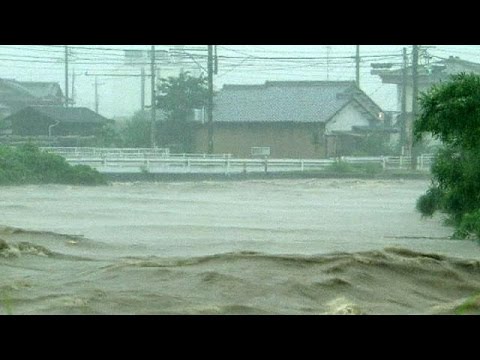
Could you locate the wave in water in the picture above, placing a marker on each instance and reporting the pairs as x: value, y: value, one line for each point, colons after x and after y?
x: 43, y: 277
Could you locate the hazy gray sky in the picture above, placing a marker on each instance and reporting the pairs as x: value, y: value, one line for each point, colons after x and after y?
x: 238, y: 64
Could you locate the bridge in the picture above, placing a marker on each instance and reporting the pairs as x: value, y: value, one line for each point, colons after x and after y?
x: 161, y: 161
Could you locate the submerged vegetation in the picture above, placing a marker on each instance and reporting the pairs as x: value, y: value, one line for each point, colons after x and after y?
x: 471, y: 306
x: 342, y: 167
x: 451, y: 113
x: 26, y: 164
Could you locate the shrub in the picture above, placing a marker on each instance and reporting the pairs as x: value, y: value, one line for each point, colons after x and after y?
x: 341, y: 167
x: 26, y: 164
x: 430, y: 202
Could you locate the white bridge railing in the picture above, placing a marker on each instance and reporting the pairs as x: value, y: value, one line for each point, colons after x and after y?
x: 161, y: 161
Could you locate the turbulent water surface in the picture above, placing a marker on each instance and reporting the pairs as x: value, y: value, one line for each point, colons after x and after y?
x: 254, y: 247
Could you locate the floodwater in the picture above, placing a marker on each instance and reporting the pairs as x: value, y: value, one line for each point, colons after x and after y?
x: 255, y: 247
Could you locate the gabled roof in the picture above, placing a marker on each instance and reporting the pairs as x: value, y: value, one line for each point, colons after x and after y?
x: 65, y: 115
x: 42, y: 89
x: 289, y: 101
x: 14, y: 88
x: 30, y: 90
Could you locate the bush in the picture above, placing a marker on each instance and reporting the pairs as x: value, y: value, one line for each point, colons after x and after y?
x: 429, y: 203
x: 28, y: 165
x: 341, y: 167
x: 469, y: 225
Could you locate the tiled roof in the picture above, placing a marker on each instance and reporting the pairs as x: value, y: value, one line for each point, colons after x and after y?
x: 70, y: 115
x: 288, y: 101
x: 42, y: 89
x: 17, y: 88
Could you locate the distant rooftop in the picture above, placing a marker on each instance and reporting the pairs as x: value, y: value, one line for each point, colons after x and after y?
x: 33, y: 89
x: 42, y: 89
x: 71, y: 114
x: 433, y: 72
x: 288, y: 101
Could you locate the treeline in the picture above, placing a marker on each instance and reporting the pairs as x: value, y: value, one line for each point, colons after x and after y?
x: 26, y: 164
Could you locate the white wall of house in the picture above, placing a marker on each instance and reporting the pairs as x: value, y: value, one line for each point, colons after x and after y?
x: 348, y: 117
x: 409, y: 92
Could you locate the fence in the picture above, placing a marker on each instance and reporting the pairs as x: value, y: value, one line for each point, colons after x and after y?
x: 161, y: 161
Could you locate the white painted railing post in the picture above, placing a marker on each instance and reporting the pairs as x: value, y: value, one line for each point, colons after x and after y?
x: 302, y: 165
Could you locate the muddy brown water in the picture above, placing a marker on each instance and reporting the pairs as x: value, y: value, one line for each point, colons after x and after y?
x: 255, y: 247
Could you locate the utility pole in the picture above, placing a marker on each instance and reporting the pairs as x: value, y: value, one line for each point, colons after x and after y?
x: 357, y: 59
x: 404, y: 137
x: 66, y: 75
x: 414, y: 103
x: 96, y: 94
x: 210, y: 99
x: 154, y: 113
x: 153, y: 102
x: 142, y: 99
x: 73, y: 87
x: 216, y: 61
x: 329, y: 48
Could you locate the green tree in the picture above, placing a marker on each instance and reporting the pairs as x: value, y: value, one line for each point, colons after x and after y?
x: 178, y: 97
x: 108, y: 136
x: 451, y: 112
x: 136, y: 133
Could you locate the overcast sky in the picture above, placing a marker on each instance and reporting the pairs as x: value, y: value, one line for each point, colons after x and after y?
x: 238, y: 64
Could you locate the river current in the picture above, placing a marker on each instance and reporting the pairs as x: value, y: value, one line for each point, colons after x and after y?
x: 310, y: 246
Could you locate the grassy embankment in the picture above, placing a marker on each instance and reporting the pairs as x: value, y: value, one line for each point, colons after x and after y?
x: 26, y: 165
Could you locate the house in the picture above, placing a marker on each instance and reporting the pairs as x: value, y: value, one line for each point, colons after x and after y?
x: 429, y: 74
x: 16, y: 95
x: 55, y: 121
x: 295, y: 119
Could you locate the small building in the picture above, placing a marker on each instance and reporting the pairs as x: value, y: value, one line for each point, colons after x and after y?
x: 17, y: 95
x: 429, y: 74
x: 294, y: 119
x: 55, y: 121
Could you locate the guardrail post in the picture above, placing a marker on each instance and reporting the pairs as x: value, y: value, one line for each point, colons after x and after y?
x: 266, y: 165
x: 384, y: 163
x: 227, y: 169
x: 401, y: 162
x: 302, y: 164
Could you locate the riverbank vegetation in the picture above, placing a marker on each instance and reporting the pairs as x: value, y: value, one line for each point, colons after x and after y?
x: 451, y: 112
x: 27, y: 164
